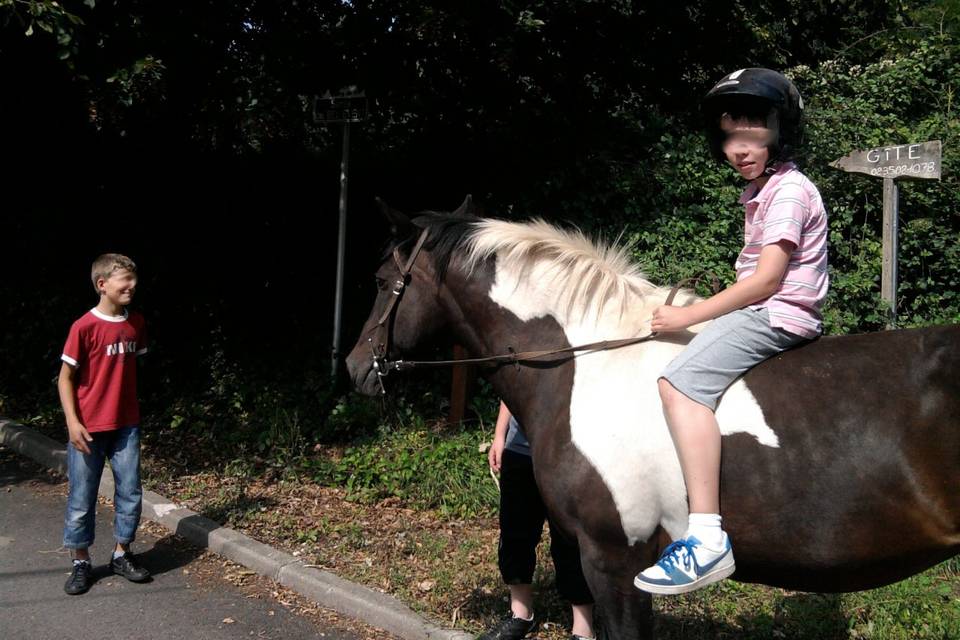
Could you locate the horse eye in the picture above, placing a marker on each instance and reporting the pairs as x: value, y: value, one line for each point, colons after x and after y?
x: 381, y: 283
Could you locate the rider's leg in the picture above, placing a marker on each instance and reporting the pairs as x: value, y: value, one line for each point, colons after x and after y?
x: 696, y: 437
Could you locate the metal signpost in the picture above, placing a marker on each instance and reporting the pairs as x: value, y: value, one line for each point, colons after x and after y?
x: 918, y: 161
x: 341, y: 109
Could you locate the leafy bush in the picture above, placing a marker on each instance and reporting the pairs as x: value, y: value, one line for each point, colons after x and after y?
x: 430, y: 470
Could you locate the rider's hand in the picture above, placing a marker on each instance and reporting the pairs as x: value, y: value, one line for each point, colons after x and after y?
x: 79, y: 436
x: 495, y: 454
x: 670, y: 318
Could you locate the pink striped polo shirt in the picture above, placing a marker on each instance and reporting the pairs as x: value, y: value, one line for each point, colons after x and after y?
x: 789, y: 207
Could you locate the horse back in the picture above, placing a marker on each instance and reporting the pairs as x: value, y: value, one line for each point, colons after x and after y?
x: 864, y: 487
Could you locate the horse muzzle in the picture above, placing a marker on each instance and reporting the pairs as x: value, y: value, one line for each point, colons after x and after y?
x: 368, y: 370
x: 363, y: 372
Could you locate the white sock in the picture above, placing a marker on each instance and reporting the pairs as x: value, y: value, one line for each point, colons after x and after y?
x: 118, y: 554
x: 75, y: 561
x: 707, y: 527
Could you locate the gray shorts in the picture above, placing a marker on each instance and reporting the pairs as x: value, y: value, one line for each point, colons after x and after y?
x: 727, y: 348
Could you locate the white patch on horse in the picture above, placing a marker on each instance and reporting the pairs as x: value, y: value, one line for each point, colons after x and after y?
x: 616, y: 420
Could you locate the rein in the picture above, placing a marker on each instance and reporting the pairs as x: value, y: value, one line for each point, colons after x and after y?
x: 383, y: 366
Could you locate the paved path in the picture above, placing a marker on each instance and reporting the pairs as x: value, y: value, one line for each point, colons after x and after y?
x: 175, y: 604
x: 321, y: 588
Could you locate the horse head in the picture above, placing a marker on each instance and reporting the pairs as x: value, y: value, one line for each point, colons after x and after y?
x: 408, y: 312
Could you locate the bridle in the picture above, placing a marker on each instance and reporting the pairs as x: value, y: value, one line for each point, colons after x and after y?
x: 382, y: 366
x: 379, y: 352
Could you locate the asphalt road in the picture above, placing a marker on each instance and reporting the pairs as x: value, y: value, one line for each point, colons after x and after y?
x: 176, y: 604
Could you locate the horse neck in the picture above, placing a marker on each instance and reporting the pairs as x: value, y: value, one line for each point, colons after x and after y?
x: 489, y: 313
x: 485, y: 328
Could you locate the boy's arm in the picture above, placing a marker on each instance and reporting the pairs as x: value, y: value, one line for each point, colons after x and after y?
x: 79, y: 436
x: 760, y: 284
x: 495, y: 454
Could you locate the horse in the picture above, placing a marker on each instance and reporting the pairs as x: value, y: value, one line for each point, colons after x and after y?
x: 840, y: 458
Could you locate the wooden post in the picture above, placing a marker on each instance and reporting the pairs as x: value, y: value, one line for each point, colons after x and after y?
x: 462, y: 380
x: 888, y: 275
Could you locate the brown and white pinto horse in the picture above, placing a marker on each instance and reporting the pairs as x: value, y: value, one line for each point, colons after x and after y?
x: 841, y: 459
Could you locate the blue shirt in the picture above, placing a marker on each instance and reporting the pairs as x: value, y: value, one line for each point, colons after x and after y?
x: 516, y: 440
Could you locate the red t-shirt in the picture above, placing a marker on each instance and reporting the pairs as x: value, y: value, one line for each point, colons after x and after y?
x: 104, y: 349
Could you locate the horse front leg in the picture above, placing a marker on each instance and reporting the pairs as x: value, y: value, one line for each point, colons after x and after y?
x: 624, y: 612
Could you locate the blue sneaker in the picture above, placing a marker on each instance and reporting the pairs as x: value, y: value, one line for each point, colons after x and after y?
x: 686, y: 565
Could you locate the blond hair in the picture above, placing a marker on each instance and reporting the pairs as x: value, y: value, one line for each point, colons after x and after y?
x: 108, y: 264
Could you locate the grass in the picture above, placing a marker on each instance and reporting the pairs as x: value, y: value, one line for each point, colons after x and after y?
x: 924, y: 606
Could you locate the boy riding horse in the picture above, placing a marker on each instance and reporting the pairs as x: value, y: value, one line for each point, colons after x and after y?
x: 754, y: 122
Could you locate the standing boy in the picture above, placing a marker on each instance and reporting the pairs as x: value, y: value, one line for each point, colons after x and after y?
x: 522, y: 513
x: 98, y: 391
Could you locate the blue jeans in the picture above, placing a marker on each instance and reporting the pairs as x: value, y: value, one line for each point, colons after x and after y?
x: 122, y: 447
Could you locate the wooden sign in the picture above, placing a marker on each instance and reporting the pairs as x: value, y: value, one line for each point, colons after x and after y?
x: 920, y: 161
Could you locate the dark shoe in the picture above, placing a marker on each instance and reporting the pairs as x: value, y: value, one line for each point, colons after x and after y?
x: 510, y: 628
x: 127, y: 566
x: 79, y: 581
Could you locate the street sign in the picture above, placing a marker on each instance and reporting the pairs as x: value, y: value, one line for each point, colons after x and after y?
x: 340, y: 109
x: 916, y: 161
x: 920, y: 161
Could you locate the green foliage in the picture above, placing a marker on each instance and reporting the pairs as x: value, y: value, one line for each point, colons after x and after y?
x: 245, y: 72
x: 47, y: 17
x: 137, y: 81
x: 443, y: 471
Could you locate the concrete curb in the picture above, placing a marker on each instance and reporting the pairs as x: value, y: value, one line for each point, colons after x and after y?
x: 324, y: 588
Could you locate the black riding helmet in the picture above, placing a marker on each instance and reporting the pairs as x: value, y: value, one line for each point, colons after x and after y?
x: 756, y: 92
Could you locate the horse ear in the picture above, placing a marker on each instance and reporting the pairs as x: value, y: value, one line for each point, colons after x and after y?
x: 398, y: 221
x: 467, y: 208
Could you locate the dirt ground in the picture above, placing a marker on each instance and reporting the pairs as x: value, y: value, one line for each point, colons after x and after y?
x: 444, y: 569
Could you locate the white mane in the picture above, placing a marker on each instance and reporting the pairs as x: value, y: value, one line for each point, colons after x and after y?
x: 579, y: 280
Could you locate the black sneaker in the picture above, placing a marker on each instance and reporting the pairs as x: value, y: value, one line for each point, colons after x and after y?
x: 127, y: 566
x: 79, y: 581
x: 510, y: 628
